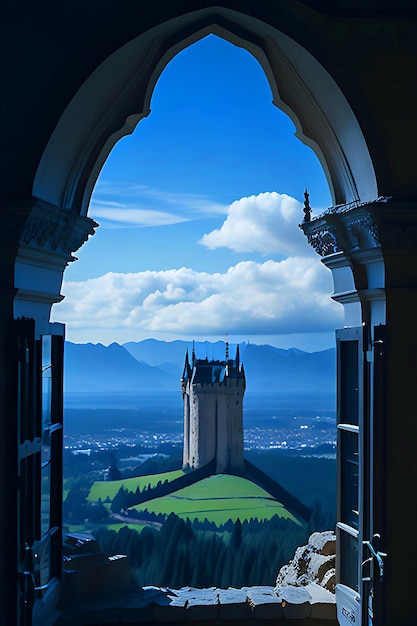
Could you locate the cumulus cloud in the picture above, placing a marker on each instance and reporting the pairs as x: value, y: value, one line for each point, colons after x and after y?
x: 266, y: 223
x: 283, y: 297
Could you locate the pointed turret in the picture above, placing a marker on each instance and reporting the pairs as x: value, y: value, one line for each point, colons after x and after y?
x: 187, y: 369
x: 187, y: 363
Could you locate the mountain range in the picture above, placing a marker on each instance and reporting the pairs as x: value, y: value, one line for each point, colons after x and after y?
x: 152, y: 365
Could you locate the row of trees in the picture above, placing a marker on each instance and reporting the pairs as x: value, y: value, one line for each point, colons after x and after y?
x: 77, y: 508
x: 124, y: 499
x: 179, y: 554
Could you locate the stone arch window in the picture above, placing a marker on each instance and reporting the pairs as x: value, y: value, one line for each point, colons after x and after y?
x: 320, y: 55
x: 116, y: 96
x: 105, y: 108
x: 276, y: 90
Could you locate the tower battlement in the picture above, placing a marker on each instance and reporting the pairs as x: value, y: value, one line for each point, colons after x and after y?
x: 213, y: 393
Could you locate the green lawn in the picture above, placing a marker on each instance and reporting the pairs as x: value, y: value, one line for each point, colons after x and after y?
x: 219, y: 498
x: 108, y: 488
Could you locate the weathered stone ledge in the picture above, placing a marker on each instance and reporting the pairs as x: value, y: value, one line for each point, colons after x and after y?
x: 310, y: 604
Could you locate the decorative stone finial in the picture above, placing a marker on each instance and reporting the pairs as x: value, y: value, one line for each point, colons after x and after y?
x: 307, y: 208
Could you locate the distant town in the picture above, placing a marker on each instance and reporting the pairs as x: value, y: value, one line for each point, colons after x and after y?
x: 303, y: 436
x: 274, y: 425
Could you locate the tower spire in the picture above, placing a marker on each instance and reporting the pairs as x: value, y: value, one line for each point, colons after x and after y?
x: 187, y: 369
x: 227, y: 348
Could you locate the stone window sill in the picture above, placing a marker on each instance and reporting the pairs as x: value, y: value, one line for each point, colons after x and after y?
x: 250, y: 605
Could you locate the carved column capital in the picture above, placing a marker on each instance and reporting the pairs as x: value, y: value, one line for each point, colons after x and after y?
x: 48, y: 237
x: 385, y: 223
x: 51, y: 228
x: 365, y: 245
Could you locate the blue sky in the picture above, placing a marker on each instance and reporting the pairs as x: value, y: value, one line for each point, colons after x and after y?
x: 199, y: 211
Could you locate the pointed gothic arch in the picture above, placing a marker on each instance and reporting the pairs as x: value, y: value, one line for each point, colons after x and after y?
x: 343, y: 72
x: 117, y: 95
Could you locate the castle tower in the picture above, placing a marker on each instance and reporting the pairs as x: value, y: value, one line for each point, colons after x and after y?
x: 213, y: 412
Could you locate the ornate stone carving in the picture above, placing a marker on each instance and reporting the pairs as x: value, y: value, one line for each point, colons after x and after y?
x: 323, y: 241
x: 327, y: 234
x: 342, y: 232
x: 53, y: 228
x: 383, y: 223
x: 362, y: 231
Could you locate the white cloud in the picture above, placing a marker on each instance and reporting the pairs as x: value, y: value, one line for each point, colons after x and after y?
x: 136, y: 217
x: 139, y: 205
x: 266, y: 223
x: 289, y: 296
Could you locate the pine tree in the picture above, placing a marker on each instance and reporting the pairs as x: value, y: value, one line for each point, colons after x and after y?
x: 119, y: 500
x: 236, y: 538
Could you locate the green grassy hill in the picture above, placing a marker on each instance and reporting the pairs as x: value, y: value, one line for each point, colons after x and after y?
x: 108, y: 488
x: 218, y: 499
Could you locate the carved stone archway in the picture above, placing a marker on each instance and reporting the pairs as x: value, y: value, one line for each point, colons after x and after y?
x: 117, y: 95
x: 344, y: 73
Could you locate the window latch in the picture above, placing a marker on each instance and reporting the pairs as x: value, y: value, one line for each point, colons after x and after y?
x: 376, y: 554
x: 379, y: 346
